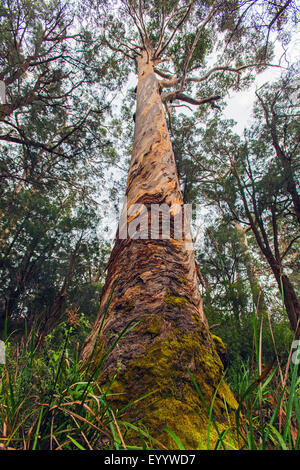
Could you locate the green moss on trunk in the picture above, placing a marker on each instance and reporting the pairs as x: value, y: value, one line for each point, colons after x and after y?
x: 163, y: 371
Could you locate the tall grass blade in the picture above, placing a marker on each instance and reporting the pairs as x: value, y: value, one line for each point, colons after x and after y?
x: 175, y: 438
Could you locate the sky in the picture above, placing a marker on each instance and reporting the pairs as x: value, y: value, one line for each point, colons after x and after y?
x: 240, y: 104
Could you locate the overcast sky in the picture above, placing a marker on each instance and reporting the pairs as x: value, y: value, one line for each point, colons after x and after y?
x: 240, y: 105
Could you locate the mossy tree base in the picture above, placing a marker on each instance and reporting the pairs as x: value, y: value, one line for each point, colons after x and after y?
x: 162, y: 371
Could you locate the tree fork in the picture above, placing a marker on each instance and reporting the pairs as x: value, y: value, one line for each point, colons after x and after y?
x: 154, y: 281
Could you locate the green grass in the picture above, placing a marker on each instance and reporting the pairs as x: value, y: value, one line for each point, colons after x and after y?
x: 48, y: 401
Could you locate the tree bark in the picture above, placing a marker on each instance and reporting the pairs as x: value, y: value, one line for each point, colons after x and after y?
x: 291, y: 302
x: 256, y: 290
x: 154, y: 281
x: 290, y: 299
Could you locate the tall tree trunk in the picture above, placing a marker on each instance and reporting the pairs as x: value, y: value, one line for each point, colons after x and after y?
x: 154, y: 281
x: 291, y: 303
x: 290, y: 299
x: 256, y: 290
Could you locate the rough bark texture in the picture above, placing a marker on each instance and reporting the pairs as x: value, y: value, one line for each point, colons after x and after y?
x: 155, y: 282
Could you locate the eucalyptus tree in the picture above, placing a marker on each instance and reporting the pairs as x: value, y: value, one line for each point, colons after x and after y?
x: 274, y: 139
x: 56, y: 83
x: 235, y: 278
x: 53, y: 148
x: 278, y: 125
x: 258, y: 186
x: 266, y: 209
x: 151, y: 289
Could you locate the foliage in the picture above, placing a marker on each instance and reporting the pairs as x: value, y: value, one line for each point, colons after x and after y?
x: 53, y: 154
x: 63, y: 63
x: 47, y: 401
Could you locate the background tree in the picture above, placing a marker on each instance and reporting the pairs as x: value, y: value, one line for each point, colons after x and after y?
x: 55, y: 145
x: 154, y: 281
x: 257, y: 188
x: 233, y: 279
x: 277, y: 117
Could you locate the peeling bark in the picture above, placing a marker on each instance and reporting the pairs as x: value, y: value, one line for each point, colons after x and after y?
x: 154, y: 281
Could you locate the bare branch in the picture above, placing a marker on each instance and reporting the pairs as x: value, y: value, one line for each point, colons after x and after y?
x: 117, y: 49
x: 185, y: 16
x: 227, y: 68
x: 9, y: 138
x: 275, y: 18
x: 166, y: 75
x: 134, y: 18
x: 289, y: 247
x: 165, y: 24
x: 171, y: 81
x: 141, y: 18
x: 196, y: 39
x: 177, y: 95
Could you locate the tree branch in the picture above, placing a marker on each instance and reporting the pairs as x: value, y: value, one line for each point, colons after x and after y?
x: 177, y: 95
x: 164, y: 47
x: 16, y: 140
x: 117, y: 49
x: 196, y: 39
x: 289, y: 247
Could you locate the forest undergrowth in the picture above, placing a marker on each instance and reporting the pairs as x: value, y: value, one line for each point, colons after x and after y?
x: 48, y: 401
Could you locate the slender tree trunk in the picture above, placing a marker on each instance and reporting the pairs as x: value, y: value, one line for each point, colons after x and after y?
x: 52, y: 318
x: 256, y: 290
x: 287, y: 169
x: 154, y: 281
x: 290, y: 299
x: 291, y: 303
x: 292, y: 189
